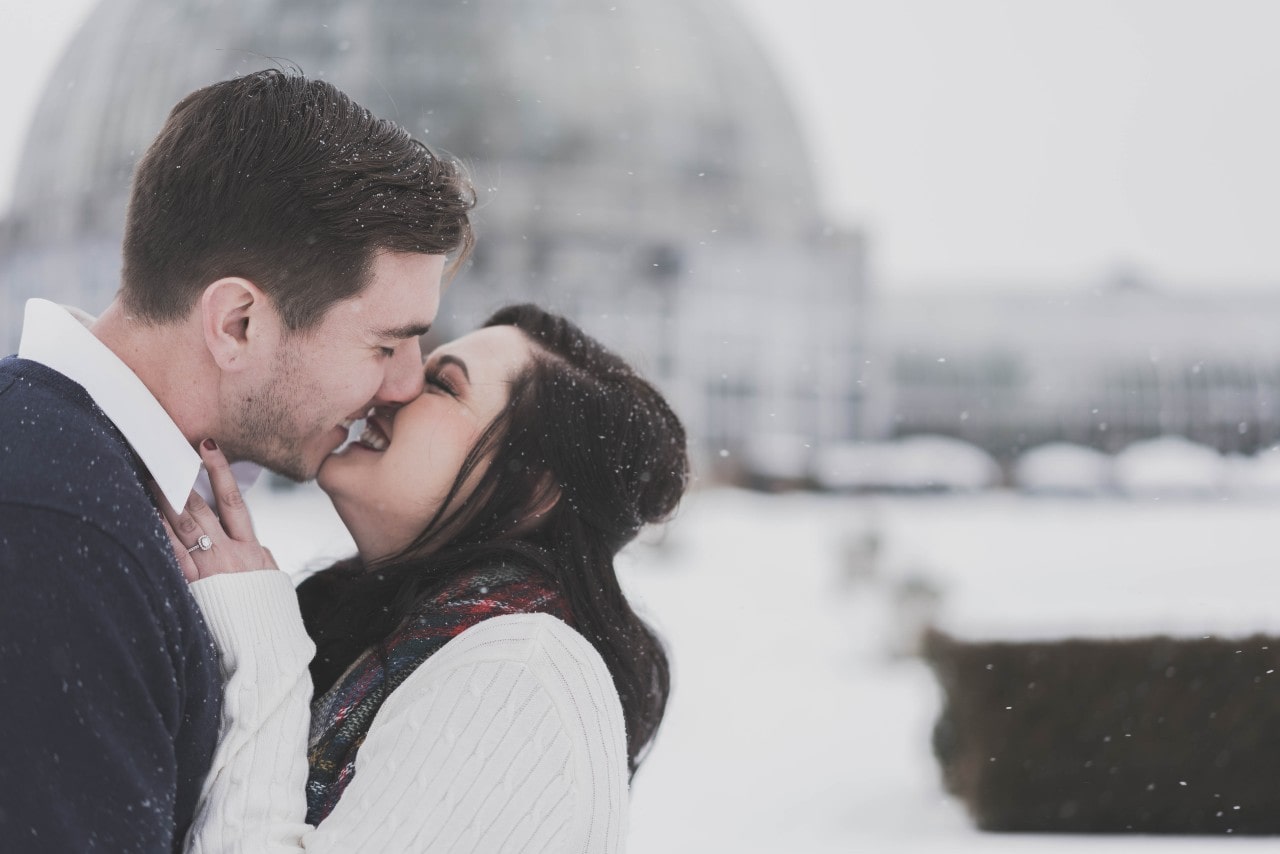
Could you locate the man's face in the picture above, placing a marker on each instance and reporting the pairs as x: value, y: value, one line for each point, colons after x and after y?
x: 364, y: 353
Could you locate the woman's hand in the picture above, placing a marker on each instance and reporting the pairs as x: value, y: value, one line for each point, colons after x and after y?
x: 206, y: 545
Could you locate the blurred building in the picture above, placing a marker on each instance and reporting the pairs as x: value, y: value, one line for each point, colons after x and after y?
x: 639, y: 167
x: 1101, y: 367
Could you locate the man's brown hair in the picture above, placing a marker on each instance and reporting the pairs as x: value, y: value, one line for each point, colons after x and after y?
x: 287, y: 182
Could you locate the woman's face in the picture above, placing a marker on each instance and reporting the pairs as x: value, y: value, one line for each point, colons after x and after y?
x: 390, y: 483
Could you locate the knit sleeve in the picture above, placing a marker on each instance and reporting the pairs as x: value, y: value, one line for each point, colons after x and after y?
x: 509, y: 739
x: 253, y: 799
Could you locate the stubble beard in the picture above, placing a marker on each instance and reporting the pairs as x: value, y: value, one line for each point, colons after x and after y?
x: 269, y: 431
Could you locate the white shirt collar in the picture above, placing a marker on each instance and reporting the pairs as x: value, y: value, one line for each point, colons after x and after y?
x: 55, y: 339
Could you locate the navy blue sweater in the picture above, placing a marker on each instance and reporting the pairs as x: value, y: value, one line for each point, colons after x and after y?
x: 109, y: 684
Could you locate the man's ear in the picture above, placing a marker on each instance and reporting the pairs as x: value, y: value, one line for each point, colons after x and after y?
x: 234, y: 315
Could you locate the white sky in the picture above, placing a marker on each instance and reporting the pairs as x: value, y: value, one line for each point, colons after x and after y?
x: 1050, y: 141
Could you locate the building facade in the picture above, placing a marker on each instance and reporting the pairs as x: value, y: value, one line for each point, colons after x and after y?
x: 639, y: 168
x: 1096, y: 366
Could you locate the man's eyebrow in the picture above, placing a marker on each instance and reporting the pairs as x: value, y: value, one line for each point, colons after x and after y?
x: 408, y: 330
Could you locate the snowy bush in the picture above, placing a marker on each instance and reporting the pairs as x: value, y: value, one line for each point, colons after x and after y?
x: 912, y: 464
x: 1256, y: 476
x: 1061, y: 468
x: 1169, y: 466
x: 778, y: 456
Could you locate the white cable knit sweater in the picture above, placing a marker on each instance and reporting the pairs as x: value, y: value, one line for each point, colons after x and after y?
x: 509, y: 739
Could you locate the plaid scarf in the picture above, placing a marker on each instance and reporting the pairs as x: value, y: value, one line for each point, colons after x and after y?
x: 340, y: 719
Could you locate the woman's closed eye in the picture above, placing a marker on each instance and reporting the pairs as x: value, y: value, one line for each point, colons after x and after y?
x: 447, y: 373
x: 438, y: 380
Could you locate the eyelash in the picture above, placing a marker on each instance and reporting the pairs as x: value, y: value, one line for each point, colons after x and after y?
x: 439, y: 382
x: 388, y: 352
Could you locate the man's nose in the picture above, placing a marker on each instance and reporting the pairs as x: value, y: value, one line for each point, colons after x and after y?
x: 403, y: 381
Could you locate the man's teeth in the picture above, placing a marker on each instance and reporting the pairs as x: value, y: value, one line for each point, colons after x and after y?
x: 373, y: 438
x: 346, y: 424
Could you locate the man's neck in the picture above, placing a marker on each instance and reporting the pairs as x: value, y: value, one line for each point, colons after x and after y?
x: 164, y: 359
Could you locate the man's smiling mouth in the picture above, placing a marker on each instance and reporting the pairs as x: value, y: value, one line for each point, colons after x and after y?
x: 373, y: 435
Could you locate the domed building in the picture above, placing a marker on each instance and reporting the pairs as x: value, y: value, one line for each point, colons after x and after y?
x: 639, y: 167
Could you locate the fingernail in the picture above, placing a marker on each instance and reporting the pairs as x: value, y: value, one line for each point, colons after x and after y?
x: 210, y: 445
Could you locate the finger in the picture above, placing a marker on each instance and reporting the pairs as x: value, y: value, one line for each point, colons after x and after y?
x: 185, y: 562
x: 204, y: 519
x: 231, y: 507
x: 180, y: 522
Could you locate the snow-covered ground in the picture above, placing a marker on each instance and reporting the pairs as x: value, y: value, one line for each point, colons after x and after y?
x: 797, y: 723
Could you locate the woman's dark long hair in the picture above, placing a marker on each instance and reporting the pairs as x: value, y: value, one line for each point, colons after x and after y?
x: 582, y: 434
